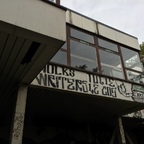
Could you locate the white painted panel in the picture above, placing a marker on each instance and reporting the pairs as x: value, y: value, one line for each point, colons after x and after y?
x: 35, y: 15
x: 81, y: 22
x: 118, y: 36
x: 89, y: 25
x: 75, y: 19
x: 107, y: 32
x: 68, y: 16
x: 57, y: 77
x: 127, y: 40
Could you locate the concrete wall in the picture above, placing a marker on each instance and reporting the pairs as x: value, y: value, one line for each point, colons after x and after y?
x: 36, y: 16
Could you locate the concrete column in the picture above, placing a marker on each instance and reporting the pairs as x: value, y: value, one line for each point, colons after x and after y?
x: 121, y: 131
x: 18, y: 122
x: 113, y: 136
x: 89, y: 134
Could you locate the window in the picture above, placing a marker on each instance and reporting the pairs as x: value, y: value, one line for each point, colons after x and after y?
x: 61, y: 56
x: 81, y: 36
x: 111, y: 64
x: 86, y: 51
x: 132, y: 65
x: 82, y: 51
x: 108, y: 45
x: 83, y: 56
x: 110, y: 60
x: 131, y: 59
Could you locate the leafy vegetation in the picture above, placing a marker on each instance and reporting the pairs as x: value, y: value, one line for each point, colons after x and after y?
x: 142, y: 53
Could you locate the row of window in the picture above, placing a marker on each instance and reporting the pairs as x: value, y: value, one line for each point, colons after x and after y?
x: 89, y: 52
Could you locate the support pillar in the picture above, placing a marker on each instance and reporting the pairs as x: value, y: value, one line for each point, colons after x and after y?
x: 18, y: 122
x: 121, y: 131
x: 89, y: 134
x: 113, y: 136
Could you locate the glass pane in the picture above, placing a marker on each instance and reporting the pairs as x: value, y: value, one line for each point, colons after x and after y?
x: 64, y: 46
x: 111, y: 64
x: 83, y: 64
x: 135, y: 77
x: 131, y: 59
x: 108, y: 45
x: 83, y: 56
x: 82, y: 36
x: 60, y: 58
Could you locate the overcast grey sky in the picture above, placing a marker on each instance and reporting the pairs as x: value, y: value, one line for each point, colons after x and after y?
x: 124, y: 15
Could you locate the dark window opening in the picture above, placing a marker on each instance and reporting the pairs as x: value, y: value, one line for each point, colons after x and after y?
x: 30, y: 53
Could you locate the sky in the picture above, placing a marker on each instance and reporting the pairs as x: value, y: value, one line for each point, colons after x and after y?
x: 124, y: 15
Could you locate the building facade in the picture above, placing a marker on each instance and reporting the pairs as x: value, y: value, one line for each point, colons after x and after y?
x: 66, y: 78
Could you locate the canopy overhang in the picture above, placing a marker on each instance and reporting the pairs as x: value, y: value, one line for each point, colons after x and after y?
x: 58, y: 107
x: 29, y: 37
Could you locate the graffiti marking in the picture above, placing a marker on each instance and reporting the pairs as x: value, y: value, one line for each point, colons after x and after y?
x: 18, y: 124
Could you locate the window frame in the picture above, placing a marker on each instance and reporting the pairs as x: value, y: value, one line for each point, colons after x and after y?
x: 127, y: 68
x: 96, y: 46
x: 82, y: 42
x: 117, y: 54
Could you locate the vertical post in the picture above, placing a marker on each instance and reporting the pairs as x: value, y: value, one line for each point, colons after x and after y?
x: 18, y: 122
x: 121, y: 131
x: 58, y: 2
x: 113, y: 136
x: 90, y: 135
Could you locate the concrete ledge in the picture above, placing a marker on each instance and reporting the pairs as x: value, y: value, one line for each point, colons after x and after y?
x: 36, y: 16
